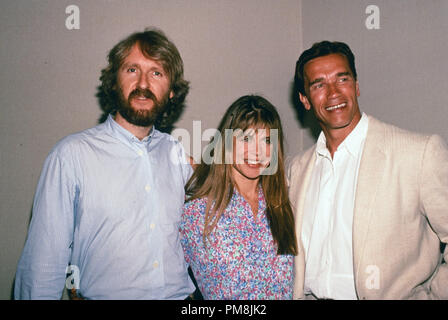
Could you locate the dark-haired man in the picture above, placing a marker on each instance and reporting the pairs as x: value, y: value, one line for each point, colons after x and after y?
x: 370, y: 199
x: 109, y: 198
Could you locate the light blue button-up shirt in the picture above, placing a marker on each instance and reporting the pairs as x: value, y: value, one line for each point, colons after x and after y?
x: 108, y: 205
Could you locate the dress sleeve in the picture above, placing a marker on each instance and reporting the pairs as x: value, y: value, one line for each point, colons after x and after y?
x: 191, y: 230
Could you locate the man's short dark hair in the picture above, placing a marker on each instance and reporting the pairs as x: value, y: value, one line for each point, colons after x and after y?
x: 154, y: 45
x: 320, y: 49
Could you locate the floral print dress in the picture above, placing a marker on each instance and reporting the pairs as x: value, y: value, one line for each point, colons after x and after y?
x: 239, y: 261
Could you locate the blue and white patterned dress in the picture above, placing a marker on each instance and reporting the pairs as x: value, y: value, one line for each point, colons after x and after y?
x: 240, y: 258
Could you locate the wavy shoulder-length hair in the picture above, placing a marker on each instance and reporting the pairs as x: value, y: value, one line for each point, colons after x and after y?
x: 213, y: 180
x: 154, y: 45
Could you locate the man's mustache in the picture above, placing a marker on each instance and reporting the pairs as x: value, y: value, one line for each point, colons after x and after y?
x: 138, y: 92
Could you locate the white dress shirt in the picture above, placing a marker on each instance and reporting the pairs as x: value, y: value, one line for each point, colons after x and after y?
x: 328, y: 217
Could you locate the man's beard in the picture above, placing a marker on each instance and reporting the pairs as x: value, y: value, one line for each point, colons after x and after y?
x: 141, y: 117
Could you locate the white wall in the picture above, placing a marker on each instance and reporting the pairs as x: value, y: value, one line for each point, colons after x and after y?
x: 49, y: 76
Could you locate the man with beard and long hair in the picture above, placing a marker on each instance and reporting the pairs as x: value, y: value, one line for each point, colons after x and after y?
x: 108, y: 202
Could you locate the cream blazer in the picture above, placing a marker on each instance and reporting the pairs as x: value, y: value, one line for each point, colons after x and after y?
x: 400, y: 217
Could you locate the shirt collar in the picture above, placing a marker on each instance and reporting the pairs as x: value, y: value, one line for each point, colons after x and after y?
x: 124, y: 135
x: 353, y: 142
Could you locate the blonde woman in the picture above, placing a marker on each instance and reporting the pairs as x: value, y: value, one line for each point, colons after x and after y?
x: 237, y: 226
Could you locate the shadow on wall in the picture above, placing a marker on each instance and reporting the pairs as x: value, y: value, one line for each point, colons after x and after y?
x: 11, y: 296
x: 306, y: 118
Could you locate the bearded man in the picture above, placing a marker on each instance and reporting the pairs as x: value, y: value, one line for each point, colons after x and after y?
x: 108, y: 202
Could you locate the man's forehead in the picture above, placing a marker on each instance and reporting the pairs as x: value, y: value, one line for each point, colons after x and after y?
x: 136, y: 55
x: 329, y: 65
x: 335, y: 62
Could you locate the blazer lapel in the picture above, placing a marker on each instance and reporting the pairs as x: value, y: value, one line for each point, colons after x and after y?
x: 299, y: 181
x: 370, y: 174
x: 297, y: 193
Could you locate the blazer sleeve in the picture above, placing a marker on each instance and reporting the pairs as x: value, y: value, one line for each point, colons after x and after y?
x: 434, y: 201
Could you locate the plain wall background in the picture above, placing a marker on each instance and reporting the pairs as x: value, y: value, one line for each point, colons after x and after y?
x: 49, y: 74
x: 401, y: 67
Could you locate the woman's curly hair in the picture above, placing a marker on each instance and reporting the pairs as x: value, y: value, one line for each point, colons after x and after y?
x: 154, y: 44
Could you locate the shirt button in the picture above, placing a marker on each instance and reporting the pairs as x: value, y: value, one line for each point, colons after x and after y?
x: 147, y: 188
x: 140, y: 152
x: 152, y: 226
x: 155, y: 264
